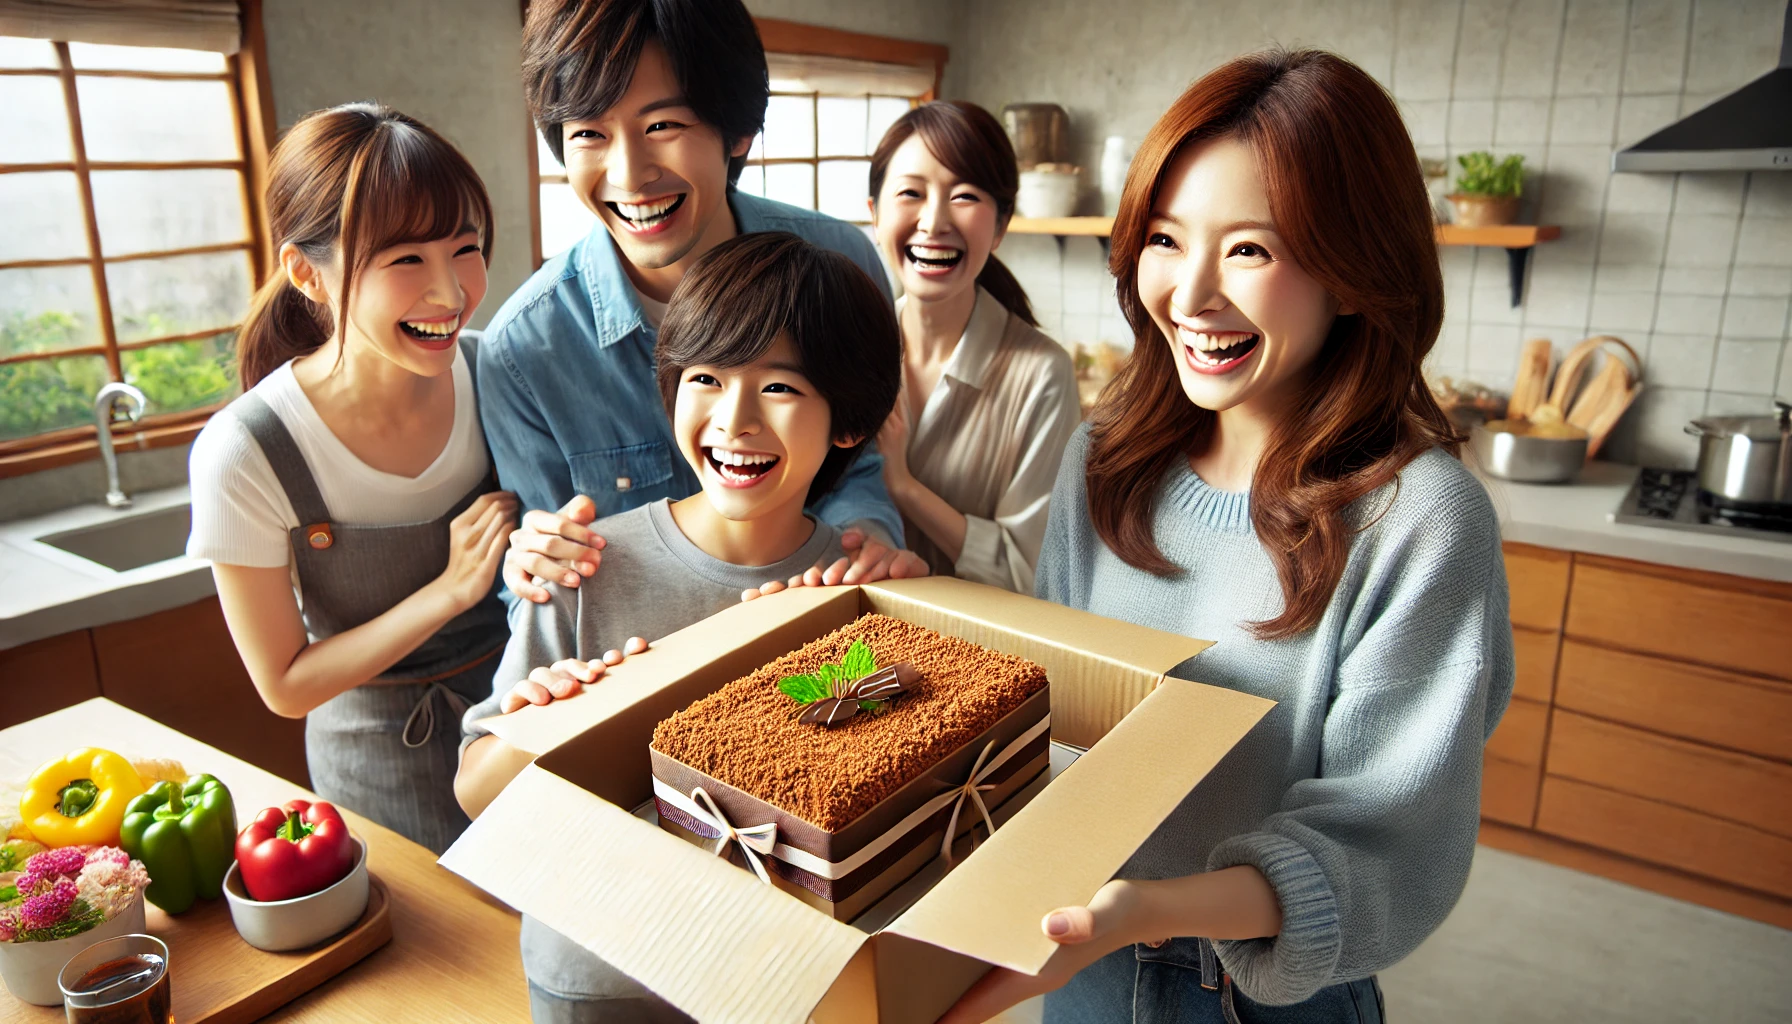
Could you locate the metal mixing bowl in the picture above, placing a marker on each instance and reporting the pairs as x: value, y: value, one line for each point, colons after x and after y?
x: 1525, y: 457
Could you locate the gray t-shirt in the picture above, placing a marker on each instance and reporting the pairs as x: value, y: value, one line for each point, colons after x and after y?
x: 653, y: 581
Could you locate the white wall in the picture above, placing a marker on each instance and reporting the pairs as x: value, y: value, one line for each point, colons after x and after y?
x: 452, y: 64
x: 1695, y: 270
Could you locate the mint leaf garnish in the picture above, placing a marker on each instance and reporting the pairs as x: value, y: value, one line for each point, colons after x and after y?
x: 859, y: 661
x: 804, y: 689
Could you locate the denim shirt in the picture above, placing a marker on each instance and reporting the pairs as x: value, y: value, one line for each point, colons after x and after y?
x: 568, y: 395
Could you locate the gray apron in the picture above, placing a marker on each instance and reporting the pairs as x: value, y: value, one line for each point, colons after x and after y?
x: 388, y: 749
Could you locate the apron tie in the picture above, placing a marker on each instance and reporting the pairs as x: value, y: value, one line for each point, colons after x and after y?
x: 421, y: 724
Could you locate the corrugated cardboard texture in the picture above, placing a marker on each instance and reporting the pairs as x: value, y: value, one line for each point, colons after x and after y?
x: 538, y: 730
x: 1100, y: 668
x: 1073, y: 837
x: 709, y: 937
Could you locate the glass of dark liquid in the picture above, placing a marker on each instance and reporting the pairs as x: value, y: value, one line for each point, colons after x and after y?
x: 118, y: 981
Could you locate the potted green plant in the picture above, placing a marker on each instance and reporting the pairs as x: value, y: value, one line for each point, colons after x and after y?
x: 1487, y: 189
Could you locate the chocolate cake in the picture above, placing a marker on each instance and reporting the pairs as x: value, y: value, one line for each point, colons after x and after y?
x: 862, y: 804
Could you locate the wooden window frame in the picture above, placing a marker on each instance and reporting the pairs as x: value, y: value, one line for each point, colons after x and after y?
x: 246, y: 75
x: 777, y: 36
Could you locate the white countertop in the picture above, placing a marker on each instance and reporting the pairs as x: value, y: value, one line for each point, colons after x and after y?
x: 45, y: 591
x: 1577, y: 516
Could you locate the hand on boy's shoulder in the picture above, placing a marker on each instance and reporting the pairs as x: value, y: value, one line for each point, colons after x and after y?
x: 565, y: 678
x: 867, y: 560
x: 553, y: 546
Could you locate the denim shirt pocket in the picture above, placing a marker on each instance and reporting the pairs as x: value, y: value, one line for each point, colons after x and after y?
x: 619, y: 479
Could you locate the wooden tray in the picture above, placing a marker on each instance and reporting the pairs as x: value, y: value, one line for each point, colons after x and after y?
x: 220, y: 979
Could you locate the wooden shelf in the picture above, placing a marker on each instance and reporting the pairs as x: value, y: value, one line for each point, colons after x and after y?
x: 1506, y: 236
x: 1094, y: 227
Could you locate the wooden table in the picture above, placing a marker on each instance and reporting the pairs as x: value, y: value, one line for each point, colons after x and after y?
x: 453, y: 954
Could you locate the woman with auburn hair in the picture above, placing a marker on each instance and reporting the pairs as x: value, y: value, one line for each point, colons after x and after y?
x: 1270, y: 471
x: 988, y: 401
x: 346, y: 499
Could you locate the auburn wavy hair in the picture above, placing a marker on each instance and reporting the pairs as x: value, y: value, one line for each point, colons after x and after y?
x: 1350, y: 204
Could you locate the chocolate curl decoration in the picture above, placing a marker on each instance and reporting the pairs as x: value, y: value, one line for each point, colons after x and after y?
x: 975, y: 792
x: 760, y: 839
x: 883, y: 684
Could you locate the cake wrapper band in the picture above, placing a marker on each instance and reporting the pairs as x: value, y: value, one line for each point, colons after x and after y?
x: 759, y: 839
x: 764, y: 837
x: 975, y: 792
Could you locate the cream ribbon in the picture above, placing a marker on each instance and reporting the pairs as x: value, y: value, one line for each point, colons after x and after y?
x: 840, y: 869
x: 759, y: 839
x: 975, y: 792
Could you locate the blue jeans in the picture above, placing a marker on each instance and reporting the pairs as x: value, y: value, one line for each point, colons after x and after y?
x: 1173, y: 985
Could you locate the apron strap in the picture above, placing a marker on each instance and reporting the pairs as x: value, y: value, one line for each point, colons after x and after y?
x: 421, y: 724
x: 284, y: 457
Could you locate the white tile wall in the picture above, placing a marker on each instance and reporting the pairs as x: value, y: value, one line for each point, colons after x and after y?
x: 1694, y: 270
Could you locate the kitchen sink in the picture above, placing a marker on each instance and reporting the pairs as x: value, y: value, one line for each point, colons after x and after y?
x: 130, y: 542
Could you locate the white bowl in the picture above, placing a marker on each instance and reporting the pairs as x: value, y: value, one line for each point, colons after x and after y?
x: 1046, y: 194
x: 281, y: 925
x: 30, y: 969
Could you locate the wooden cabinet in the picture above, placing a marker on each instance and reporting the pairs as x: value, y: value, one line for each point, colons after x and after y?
x: 178, y: 667
x: 1538, y: 581
x: 1650, y: 732
x: 45, y: 675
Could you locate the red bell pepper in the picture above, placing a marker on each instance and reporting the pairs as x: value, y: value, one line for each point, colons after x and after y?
x: 293, y: 851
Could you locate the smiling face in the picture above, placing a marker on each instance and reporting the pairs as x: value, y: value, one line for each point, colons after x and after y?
x: 409, y: 303
x: 933, y: 227
x: 756, y: 434
x: 1243, y: 320
x: 652, y: 171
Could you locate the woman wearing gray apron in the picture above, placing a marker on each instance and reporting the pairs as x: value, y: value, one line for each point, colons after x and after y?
x: 346, y: 500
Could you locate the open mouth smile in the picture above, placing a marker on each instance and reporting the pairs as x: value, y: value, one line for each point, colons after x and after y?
x: 1217, y: 353
x: 739, y: 469
x: 932, y: 259
x: 649, y: 217
x: 436, y: 333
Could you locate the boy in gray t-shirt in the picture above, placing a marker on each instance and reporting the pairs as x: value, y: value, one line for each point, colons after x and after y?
x: 777, y: 360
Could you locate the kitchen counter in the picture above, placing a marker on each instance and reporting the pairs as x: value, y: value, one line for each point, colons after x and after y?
x: 453, y: 954
x: 1577, y: 516
x: 47, y: 591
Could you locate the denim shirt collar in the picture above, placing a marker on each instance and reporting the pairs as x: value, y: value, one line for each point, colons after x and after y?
x: 615, y: 305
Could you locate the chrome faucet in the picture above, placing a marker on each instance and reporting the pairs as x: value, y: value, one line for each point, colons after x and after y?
x: 104, y: 409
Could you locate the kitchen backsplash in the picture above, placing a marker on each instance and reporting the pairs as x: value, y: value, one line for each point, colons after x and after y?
x: 1694, y: 270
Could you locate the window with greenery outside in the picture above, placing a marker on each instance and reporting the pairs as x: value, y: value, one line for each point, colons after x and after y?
x: 140, y: 149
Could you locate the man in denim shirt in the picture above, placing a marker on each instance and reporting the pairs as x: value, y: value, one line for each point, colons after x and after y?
x: 652, y: 117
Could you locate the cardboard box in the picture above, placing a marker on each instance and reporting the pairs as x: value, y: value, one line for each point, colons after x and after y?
x: 721, y: 945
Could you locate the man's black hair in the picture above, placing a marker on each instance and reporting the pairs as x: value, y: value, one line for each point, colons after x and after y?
x: 579, y: 55
x: 733, y: 304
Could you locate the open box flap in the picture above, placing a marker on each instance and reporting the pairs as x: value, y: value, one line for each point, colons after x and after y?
x: 539, y: 729
x: 1065, y: 845
x: 1100, y: 668
x: 708, y: 937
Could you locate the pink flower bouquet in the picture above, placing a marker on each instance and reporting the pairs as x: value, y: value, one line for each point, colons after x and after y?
x: 67, y: 891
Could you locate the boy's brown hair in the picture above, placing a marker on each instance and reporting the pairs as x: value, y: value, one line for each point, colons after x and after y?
x: 735, y: 301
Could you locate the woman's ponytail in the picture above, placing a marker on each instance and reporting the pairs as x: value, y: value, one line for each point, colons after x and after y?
x: 282, y: 324
x: 1000, y: 282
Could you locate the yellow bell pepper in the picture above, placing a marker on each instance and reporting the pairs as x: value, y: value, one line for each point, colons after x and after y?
x: 80, y: 799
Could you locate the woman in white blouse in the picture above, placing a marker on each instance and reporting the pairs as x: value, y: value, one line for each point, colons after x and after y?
x: 988, y: 402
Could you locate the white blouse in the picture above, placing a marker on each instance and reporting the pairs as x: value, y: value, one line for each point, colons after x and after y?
x: 989, y: 442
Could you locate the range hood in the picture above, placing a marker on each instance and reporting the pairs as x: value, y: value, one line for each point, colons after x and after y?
x: 1748, y: 130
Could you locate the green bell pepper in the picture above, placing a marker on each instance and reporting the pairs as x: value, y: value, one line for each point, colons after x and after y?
x: 186, y: 836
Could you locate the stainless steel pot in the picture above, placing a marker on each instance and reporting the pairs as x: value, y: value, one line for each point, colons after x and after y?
x: 1510, y: 452
x: 1746, y: 459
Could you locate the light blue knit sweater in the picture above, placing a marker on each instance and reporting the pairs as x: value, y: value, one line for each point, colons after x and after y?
x: 1358, y: 796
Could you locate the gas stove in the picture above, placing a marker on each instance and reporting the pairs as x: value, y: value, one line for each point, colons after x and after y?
x: 1671, y: 498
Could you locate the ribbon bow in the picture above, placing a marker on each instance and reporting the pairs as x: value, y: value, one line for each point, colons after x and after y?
x: 760, y: 839
x: 974, y: 792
